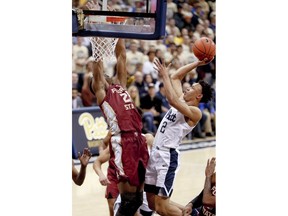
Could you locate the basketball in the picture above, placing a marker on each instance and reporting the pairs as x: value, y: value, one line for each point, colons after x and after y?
x: 204, y: 48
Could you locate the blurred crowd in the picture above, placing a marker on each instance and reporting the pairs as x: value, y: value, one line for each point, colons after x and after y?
x: 187, y: 21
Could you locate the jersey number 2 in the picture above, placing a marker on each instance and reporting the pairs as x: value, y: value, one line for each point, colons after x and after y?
x: 126, y: 97
x: 162, y: 129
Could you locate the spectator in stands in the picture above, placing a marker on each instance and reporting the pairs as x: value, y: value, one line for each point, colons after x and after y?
x: 75, y: 82
x: 160, y: 45
x: 179, y: 20
x: 145, y: 46
x: 152, y: 110
x: 134, y: 94
x: 184, y: 32
x: 161, y: 95
x: 213, y: 21
x: 148, y: 66
x: 199, y: 31
x: 160, y: 55
x: 181, y: 55
x: 204, y: 6
x: 88, y: 99
x: 171, y: 51
x: 207, y: 30
x: 210, y: 110
x: 80, y: 54
x: 139, y: 83
x: 76, y: 99
x: 138, y: 7
x: 133, y: 57
x: 171, y: 8
x: 196, y: 11
x: 186, y: 43
x: 186, y: 13
x: 204, y: 107
x: 171, y: 27
x: 190, y: 57
x: 147, y: 80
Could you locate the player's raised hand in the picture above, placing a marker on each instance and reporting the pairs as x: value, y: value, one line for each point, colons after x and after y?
x: 204, y: 61
x: 85, y: 157
x: 210, y: 167
x: 161, y: 68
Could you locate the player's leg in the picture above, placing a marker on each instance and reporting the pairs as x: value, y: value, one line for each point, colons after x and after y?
x: 151, y: 179
x: 181, y: 207
x: 167, y: 164
x: 144, y: 208
x: 165, y: 208
x: 112, y: 191
x: 150, y: 199
x: 117, y: 205
x: 131, y: 199
x: 111, y: 205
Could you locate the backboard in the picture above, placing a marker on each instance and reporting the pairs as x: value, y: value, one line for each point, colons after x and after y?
x: 139, y: 19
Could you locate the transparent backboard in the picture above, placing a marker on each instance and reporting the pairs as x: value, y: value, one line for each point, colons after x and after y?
x: 131, y: 19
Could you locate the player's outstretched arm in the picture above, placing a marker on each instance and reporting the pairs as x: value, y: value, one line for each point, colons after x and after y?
x: 99, y: 84
x: 102, y: 158
x: 79, y: 177
x: 192, y: 113
x: 120, y: 51
x: 208, y: 198
x: 179, y: 75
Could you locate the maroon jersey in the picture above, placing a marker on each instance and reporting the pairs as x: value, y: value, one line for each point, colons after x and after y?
x: 128, y: 148
x: 120, y: 111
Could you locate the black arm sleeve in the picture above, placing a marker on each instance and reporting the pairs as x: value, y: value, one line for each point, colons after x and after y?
x: 197, y: 201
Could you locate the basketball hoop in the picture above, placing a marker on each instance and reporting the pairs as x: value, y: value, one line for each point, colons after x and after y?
x: 103, y: 48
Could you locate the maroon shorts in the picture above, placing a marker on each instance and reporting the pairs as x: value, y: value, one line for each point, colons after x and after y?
x: 130, y: 157
x: 112, y: 189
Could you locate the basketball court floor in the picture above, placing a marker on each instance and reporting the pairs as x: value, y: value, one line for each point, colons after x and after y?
x: 89, y: 199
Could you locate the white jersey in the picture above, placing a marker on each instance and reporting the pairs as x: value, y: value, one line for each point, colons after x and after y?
x: 172, y: 129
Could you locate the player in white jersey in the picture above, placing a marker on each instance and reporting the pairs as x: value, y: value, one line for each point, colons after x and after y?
x: 176, y: 124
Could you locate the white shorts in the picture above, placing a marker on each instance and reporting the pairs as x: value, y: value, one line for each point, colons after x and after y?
x: 143, y: 207
x: 162, y: 167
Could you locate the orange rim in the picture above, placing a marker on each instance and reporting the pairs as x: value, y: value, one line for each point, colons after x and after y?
x: 115, y: 19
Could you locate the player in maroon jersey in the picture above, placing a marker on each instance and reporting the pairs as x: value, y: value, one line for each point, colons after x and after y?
x: 128, y: 148
x: 110, y: 181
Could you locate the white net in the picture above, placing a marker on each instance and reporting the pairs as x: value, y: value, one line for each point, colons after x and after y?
x: 103, y: 48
